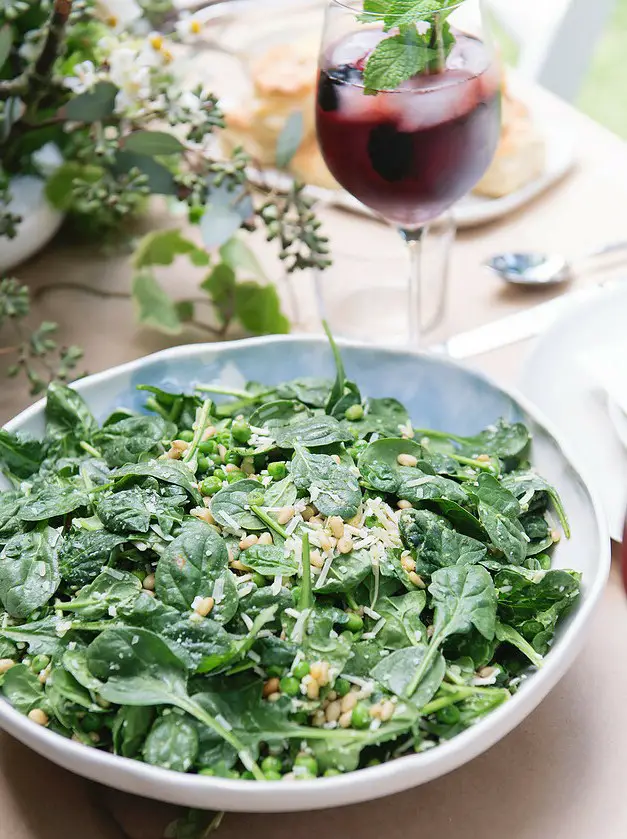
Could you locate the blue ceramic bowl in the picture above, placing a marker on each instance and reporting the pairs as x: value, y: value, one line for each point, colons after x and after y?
x: 439, y: 394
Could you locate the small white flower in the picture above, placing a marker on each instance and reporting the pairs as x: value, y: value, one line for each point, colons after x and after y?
x: 118, y: 14
x: 188, y: 107
x: 84, y: 78
x: 132, y: 79
x: 154, y: 52
x: 188, y: 27
x: 423, y: 27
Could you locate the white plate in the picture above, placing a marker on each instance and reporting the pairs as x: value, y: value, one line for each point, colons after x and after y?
x: 556, y: 379
x: 438, y: 393
x: 241, y: 28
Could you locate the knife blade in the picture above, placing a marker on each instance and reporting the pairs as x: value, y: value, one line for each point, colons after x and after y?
x: 517, y: 327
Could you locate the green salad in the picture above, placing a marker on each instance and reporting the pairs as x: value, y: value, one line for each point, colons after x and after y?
x: 278, y: 582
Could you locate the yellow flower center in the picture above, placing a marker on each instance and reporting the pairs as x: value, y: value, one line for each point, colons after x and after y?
x: 195, y: 27
x: 167, y: 55
x: 156, y: 42
x: 112, y: 21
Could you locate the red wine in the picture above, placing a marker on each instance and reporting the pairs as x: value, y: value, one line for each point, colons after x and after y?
x: 409, y: 153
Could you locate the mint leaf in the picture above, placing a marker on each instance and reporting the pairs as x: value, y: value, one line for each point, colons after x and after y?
x: 395, y: 60
x: 405, y: 12
x: 154, y: 307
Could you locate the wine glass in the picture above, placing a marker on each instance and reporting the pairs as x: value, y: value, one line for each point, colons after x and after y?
x: 407, y: 145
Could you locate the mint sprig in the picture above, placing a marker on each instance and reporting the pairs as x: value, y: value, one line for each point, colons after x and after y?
x: 402, y: 56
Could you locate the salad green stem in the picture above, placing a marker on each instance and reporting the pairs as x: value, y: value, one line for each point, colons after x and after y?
x: 306, y: 596
x: 202, y: 421
x: 266, y: 519
x: 222, y: 390
x: 86, y: 447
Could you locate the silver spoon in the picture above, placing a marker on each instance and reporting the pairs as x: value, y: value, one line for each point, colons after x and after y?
x: 542, y: 269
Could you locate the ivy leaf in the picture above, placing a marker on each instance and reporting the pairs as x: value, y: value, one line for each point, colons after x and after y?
x: 154, y: 307
x: 161, y: 247
x: 59, y: 186
x: 258, y: 308
x: 238, y: 256
x: 152, y: 143
x: 220, y: 286
x: 94, y: 105
x: 395, y: 60
x: 6, y: 39
x: 289, y: 140
x: 185, y: 310
x: 218, y: 224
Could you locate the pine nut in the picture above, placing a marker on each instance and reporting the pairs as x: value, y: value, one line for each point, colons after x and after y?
x: 38, y: 716
x: 237, y: 565
x: 285, y: 514
x: 270, y: 687
x: 346, y: 719
x: 430, y: 631
x: 171, y: 454
x: 325, y: 542
x: 248, y: 541
x: 318, y: 719
x: 348, y: 702
x: 149, y: 592
x: 308, y: 513
x: 486, y: 672
x: 313, y: 689
x: 208, y: 432
x: 336, y: 458
x: 416, y: 580
x: 149, y: 582
x: 333, y: 711
x: 375, y: 711
x: 265, y: 539
x: 336, y: 526
x: 204, y: 514
x: 331, y: 696
x: 483, y: 458
x: 408, y: 563
x: 94, y: 736
x: 319, y: 671
x: 556, y: 535
x: 248, y: 466
x: 180, y: 445
x: 356, y: 520
x: 345, y: 545
x: 203, y: 605
x: 274, y: 697
x: 316, y: 559
x: 231, y: 467
x: 407, y: 460
x: 403, y: 504
x: 5, y: 664
x: 387, y: 710
x: 43, y: 675
x: 222, y: 451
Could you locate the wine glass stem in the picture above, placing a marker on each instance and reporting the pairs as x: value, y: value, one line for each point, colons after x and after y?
x: 413, y: 238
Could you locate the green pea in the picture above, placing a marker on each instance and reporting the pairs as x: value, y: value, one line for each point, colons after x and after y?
x: 203, y: 463
x: 354, y: 622
x: 248, y: 776
x: 277, y: 470
x: 290, y: 686
x: 303, y: 775
x: 194, y: 214
x: 235, y: 476
x: 39, y: 662
x: 274, y: 670
x: 256, y: 498
x: 308, y: 762
x: 216, y: 459
x: 211, y: 485
x: 233, y: 457
x: 448, y: 715
x: 258, y: 579
x: 186, y: 435
x: 301, y: 669
x: 206, y: 770
x: 273, y: 776
x: 354, y: 413
x: 241, y: 431
x: 271, y: 764
x: 341, y: 687
x: 360, y: 718
x: 331, y: 773
x: 220, y: 473
x: 208, y: 447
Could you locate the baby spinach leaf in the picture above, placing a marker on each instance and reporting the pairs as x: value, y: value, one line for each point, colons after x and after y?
x: 20, y: 455
x: 282, y: 493
x: 396, y: 673
x: 29, y: 571
x: 84, y: 552
x: 436, y: 543
x: 190, y: 565
x: 499, y: 513
x: 269, y: 561
x: 238, y: 647
x: 311, y: 391
x: 41, y: 636
x: 416, y: 486
x: 503, y: 440
x: 132, y: 439
x: 347, y: 571
x: 378, y: 462
x: 67, y: 414
x: 75, y: 662
x: 23, y: 689
x: 523, y: 594
x: 403, y: 626
x: 171, y: 743
x: 344, y: 392
x: 276, y: 414
x: 231, y: 505
x: 110, y: 589
x: 463, y: 596
x: 521, y: 484
x: 333, y: 488
x: 125, y: 512
x: 384, y: 416
x: 130, y: 727
x: 179, y: 408
x: 509, y: 635
x: 169, y: 471
x: 52, y: 501
x: 10, y: 521
x: 312, y: 432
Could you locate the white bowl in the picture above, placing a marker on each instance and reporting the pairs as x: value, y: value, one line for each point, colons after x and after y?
x: 438, y: 394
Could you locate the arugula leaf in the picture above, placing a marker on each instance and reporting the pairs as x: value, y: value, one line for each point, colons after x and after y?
x: 29, y: 571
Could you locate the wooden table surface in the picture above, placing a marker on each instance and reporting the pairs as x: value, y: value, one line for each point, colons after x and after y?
x: 560, y: 774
